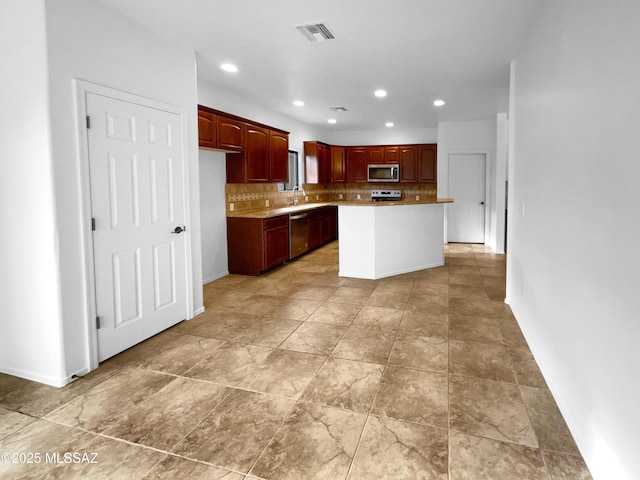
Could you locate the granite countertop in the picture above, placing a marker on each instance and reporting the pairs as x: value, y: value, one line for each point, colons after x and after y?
x: 275, y: 212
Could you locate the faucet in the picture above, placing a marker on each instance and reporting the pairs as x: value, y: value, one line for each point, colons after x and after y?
x: 295, y: 197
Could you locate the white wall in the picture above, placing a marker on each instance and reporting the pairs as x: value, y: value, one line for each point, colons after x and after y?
x: 44, y: 47
x: 30, y: 311
x: 575, y: 166
x: 482, y: 136
x: 390, y: 136
x: 213, y: 215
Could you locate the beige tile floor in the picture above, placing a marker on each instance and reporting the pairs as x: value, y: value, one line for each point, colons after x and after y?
x: 300, y: 374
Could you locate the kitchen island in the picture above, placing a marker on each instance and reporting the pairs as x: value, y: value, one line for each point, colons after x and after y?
x: 377, y: 239
x: 390, y: 238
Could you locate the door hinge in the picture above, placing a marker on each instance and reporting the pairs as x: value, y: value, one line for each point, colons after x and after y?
x: 98, y: 323
x: 88, y: 121
x: 93, y: 224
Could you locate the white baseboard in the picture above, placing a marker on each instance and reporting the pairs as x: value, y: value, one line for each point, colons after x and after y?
x: 36, y: 377
x: 214, y: 277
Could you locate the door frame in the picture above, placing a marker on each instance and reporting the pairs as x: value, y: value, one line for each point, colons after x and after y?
x: 488, y: 204
x: 83, y: 88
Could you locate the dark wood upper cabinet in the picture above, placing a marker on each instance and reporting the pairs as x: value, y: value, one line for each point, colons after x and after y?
x: 376, y: 155
x: 207, y: 129
x: 278, y: 157
x: 317, y: 162
x: 391, y: 154
x: 338, y: 166
x: 230, y: 133
x: 357, y: 161
x: 408, y: 156
x: 324, y: 156
x: 256, y: 153
x: 427, y: 163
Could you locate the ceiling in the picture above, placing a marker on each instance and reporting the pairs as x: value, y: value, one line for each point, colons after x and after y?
x: 416, y: 50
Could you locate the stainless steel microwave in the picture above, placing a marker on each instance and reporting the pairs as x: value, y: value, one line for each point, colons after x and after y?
x: 384, y: 173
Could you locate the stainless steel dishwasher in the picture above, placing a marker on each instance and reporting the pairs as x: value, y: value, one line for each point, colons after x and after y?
x: 298, y: 234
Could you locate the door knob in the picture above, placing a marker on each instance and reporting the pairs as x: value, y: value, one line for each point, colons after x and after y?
x: 481, y: 203
x: 179, y: 229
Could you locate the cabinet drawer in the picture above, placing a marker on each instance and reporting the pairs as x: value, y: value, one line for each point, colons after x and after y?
x: 276, y: 222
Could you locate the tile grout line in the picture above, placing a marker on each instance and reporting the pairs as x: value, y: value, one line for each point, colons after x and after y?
x: 373, y: 401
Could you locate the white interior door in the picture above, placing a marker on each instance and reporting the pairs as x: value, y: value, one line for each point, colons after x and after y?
x: 137, y: 201
x: 466, y: 215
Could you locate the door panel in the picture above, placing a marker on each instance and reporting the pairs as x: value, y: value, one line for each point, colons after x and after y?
x: 137, y: 172
x: 466, y: 215
x: 123, y: 193
x: 161, y: 190
x: 126, y: 281
x: 163, y: 275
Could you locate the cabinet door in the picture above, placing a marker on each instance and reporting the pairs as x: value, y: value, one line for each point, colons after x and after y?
x: 236, y: 173
x: 324, y: 167
x: 276, y: 246
x: 408, y: 164
x: 333, y: 223
x: 278, y: 156
x: 230, y: 133
x: 337, y: 165
x: 376, y: 155
x: 315, y: 230
x: 207, y: 129
x: 391, y: 155
x: 311, y: 162
x: 357, y: 161
x: 427, y: 163
x: 256, y: 153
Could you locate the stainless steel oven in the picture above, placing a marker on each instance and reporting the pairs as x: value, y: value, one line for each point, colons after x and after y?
x: 384, y: 173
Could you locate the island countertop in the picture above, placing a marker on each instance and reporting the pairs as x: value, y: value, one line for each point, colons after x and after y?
x: 275, y: 212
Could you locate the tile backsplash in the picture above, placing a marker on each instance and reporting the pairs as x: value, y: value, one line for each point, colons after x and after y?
x: 244, y: 197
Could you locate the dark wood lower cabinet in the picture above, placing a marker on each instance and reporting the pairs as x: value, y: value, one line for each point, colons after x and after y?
x: 256, y: 245
x: 323, y: 226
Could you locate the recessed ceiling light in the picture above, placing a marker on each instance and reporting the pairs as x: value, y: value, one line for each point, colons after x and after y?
x: 332, y: 120
x: 438, y: 103
x: 298, y: 103
x: 388, y: 124
x: 229, y: 67
x: 380, y: 93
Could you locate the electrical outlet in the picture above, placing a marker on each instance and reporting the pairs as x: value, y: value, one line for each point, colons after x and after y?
x: 522, y: 209
x: 266, y: 203
x: 358, y: 197
x: 317, y: 197
x: 306, y: 198
x: 232, y: 207
x: 340, y: 196
x: 417, y: 197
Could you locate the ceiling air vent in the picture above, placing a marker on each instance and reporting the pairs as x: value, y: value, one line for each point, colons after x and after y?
x: 338, y: 109
x: 315, y: 32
